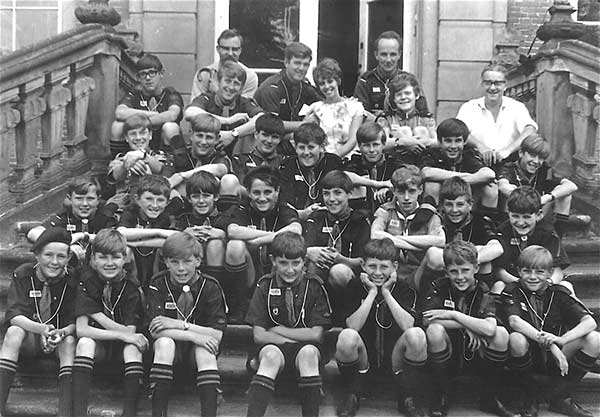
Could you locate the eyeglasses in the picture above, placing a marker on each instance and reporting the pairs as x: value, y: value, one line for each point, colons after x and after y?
x: 230, y: 48
x: 147, y: 74
x: 488, y: 83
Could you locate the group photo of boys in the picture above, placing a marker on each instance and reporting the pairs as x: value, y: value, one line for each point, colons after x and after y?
x: 360, y: 231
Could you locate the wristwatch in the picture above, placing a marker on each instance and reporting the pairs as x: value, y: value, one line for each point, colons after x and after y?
x: 186, y: 325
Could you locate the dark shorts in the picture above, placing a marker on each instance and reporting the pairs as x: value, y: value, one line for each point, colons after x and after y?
x: 290, y: 351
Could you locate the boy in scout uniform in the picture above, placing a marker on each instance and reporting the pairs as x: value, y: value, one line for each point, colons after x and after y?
x: 289, y: 313
x: 187, y: 311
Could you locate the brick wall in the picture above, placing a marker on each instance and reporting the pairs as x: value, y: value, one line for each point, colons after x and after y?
x: 524, y: 18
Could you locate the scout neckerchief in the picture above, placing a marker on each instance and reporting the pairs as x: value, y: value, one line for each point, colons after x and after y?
x: 152, y: 104
x: 456, y: 231
x: 186, y: 305
x: 461, y: 305
x: 201, y: 160
x: 72, y: 228
x: 381, y: 314
x: 310, y: 181
x: 518, y: 240
x: 262, y: 225
x: 298, y: 318
x: 535, y: 302
x: 203, y: 219
x: 403, y: 253
x: 228, y: 109
x: 387, y: 103
x: 139, y: 225
x: 522, y: 180
x: 335, y: 232
x: 109, y: 306
x: 43, y: 308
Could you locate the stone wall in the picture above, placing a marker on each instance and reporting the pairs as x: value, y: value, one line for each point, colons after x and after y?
x: 524, y: 17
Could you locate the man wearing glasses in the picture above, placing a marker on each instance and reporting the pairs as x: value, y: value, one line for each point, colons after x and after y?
x: 163, y: 105
x: 229, y: 44
x: 497, y: 124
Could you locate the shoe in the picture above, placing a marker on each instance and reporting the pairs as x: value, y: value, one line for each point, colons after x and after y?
x: 569, y: 407
x: 409, y: 407
x: 494, y: 406
x: 348, y: 406
x: 440, y: 406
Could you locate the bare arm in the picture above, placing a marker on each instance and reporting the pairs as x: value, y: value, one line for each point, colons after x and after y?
x: 489, y: 251
x: 402, y: 317
x: 122, y: 112
x: 358, y: 319
x: 85, y: 330
x: 312, y: 334
x: 504, y: 275
x: 347, y: 147
x: 169, y: 115
x: 505, y: 187
x: 564, y: 189
x: 263, y: 337
x: 133, y: 233
x: 516, y: 144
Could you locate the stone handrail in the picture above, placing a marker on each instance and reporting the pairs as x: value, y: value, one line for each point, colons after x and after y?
x: 57, y: 101
x: 562, y: 88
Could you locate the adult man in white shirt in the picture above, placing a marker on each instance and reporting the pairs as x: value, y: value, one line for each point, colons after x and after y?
x: 497, y: 124
x: 229, y: 44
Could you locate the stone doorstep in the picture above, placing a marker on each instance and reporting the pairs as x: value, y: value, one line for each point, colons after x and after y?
x: 43, y: 402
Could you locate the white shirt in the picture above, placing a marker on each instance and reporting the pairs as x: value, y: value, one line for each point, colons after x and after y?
x: 247, y: 91
x: 512, y: 120
x: 335, y: 119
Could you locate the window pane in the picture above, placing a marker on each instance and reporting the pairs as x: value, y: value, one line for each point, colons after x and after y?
x: 37, y: 3
x: 267, y: 26
x: 35, y: 25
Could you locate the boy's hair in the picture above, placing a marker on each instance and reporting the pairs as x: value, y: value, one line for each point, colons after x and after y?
x: 535, y: 257
x: 455, y: 187
x: 369, y: 132
x: 406, y: 176
x: 149, y: 61
x: 109, y: 241
x: 400, y: 82
x: 230, y: 33
x: 388, y: 34
x: 288, y: 245
x: 181, y: 245
x: 265, y: 174
x: 230, y: 68
x: 460, y: 252
x: 535, y: 144
x: 297, y: 50
x: 81, y: 185
x: 155, y: 184
x: 337, y: 179
x: 270, y: 123
x: 382, y: 249
x: 136, y: 121
x: 524, y: 200
x: 452, y: 128
x: 494, y: 67
x: 328, y: 68
x: 205, y: 122
x: 310, y: 132
x: 202, y: 182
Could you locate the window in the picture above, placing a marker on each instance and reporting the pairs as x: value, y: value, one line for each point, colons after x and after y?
x: 23, y: 22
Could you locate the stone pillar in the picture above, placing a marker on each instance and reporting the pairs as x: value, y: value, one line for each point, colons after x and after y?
x: 53, y: 122
x: 28, y: 166
x: 9, y: 118
x: 586, y: 160
x: 75, y: 160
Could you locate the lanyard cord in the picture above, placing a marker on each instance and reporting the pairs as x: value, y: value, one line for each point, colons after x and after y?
x: 112, y: 310
x: 302, y: 310
x: 339, y: 236
x: 520, y: 180
x: 145, y: 102
x: 37, y: 307
x: 542, y: 319
x: 312, y: 186
x: 377, y: 305
x: 137, y: 249
x: 466, y: 355
x: 274, y: 223
x: 289, y: 101
x: 185, y: 318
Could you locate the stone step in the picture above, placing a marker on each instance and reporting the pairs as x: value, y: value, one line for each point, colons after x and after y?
x: 377, y: 400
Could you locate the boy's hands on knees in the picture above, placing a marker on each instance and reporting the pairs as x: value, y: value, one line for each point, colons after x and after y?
x: 561, y: 359
x: 138, y: 340
x: 78, y: 252
x: 475, y: 341
x: 207, y: 342
x: 548, y: 339
x: 369, y: 285
x: 160, y: 323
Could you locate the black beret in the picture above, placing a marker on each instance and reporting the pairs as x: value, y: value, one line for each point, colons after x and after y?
x: 52, y: 234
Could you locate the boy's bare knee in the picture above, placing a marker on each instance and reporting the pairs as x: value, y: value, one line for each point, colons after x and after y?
x: 340, y: 275
x: 592, y: 343
x: 500, y: 339
x: 170, y: 129
x: 497, y: 287
x: 415, y: 339
x: 116, y: 130
x: 270, y: 356
x: 164, y: 350
x: 230, y: 185
x: 308, y: 357
x: 348, y: 341
x: 13, y: 340
x: 436, y: 336
x: 86, y: 347
x: 518, y: 344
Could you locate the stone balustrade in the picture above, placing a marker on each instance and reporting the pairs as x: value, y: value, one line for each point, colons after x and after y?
x: 57, y: 101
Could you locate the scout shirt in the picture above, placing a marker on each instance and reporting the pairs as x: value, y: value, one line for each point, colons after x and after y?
x: 543, y: 181
x: 513, y: 244
x: 423, y: 221
x: 245, y: 162
x: 209, y: 302
x: 476, y: 228
x: 168, y: 97
x: 380, y: 331
x: 268, y: 306
x: 362, y: 198
x: 191, y: 219
x: 125, y: 300
x: 354, y: 232
x: 470, y: 160
x: 186, y: 161
x: 146, y: 260
x: 297, y: 187
x: 25, y: 293
x: 104, y: 218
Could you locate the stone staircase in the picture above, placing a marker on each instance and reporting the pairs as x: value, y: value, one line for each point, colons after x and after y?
x: 35, y: 393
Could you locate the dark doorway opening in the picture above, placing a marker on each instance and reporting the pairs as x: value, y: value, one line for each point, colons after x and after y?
x: 383, y: 15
